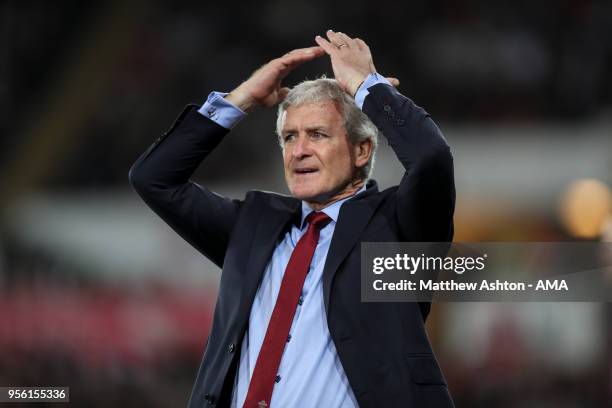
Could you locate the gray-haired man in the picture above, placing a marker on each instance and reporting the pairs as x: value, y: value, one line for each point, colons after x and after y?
x: 289, y: 329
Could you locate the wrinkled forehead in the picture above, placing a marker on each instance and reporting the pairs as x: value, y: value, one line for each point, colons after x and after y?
x: 321, y: 113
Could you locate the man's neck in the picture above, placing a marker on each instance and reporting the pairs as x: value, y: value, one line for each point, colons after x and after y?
x: 350, y: 190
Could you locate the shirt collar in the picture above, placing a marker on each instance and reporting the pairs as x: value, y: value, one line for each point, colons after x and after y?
x: 332, y: 210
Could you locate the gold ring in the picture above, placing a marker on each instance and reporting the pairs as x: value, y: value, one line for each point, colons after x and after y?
x: 342, y: 45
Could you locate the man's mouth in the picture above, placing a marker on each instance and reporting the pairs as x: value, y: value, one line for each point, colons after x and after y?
x: 305, y: 170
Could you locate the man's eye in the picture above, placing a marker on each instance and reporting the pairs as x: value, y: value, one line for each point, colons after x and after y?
x: 288, y: 137
x: 318, y: 135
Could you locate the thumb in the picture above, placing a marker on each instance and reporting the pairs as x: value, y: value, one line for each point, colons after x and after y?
x: 282, y: 94
x: 394, y: 81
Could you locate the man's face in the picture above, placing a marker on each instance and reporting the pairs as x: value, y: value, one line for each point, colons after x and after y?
x: 320, y: 162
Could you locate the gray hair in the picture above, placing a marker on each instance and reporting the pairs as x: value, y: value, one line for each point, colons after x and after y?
x: 357, y: 124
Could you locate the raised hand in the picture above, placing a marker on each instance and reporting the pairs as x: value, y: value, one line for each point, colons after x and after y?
x: 351, y: 60
x: 264, y: 88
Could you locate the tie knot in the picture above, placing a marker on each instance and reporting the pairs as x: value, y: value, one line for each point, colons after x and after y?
x: 318, y: 219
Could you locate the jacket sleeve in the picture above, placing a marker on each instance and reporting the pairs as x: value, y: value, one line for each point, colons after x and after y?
x: 161, y: 176
x: 426, y: 194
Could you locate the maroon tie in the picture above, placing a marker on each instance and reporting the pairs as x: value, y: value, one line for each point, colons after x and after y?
x: 268, y: 360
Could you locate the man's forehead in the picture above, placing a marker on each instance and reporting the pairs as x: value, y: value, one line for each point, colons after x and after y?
x: 312, y: 114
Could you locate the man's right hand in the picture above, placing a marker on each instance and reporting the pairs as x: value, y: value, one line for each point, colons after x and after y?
x: 263, y: 88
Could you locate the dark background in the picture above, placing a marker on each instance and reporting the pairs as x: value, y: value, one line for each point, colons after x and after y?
x: 97, y: 294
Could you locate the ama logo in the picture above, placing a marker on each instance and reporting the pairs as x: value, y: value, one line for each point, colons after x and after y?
x: 551, y: 285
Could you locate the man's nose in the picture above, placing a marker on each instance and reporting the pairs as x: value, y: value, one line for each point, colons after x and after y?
x: 301, y: 147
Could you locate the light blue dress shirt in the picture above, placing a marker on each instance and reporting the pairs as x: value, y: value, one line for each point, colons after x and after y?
x: 310, y: 373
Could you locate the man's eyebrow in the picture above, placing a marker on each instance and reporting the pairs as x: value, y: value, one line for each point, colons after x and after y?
x: 313, y: 128
x: 317, y: 128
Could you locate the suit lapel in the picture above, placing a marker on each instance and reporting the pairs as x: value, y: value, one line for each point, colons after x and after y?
x: 273, y: 220
x: 353, y: 218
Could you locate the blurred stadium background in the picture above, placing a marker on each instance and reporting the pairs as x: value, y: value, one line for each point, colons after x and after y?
x: 96, y: 293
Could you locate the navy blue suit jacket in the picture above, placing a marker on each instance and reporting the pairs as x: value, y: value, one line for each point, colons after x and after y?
x: 383, y: 347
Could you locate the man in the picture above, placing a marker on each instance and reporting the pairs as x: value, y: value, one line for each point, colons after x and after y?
x: 289, y: 328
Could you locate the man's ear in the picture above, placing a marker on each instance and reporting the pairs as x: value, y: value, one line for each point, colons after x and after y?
x: 363, y: 152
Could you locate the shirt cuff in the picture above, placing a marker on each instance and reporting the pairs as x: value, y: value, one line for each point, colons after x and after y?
x: 371, y: 80
x: 221, y: 111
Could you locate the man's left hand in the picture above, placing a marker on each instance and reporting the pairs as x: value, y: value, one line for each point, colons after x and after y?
x: 351, y: 60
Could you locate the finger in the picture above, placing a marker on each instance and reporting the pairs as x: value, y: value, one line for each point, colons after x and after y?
x: 296, y: 57
x: 282, y: 94
x: 346, y: 39
x: 361, y: 44
x: 394, y: 81
x: 303, y: 54
x: 334, y: 38
x: 306, y: 51
x: 329, y: 48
